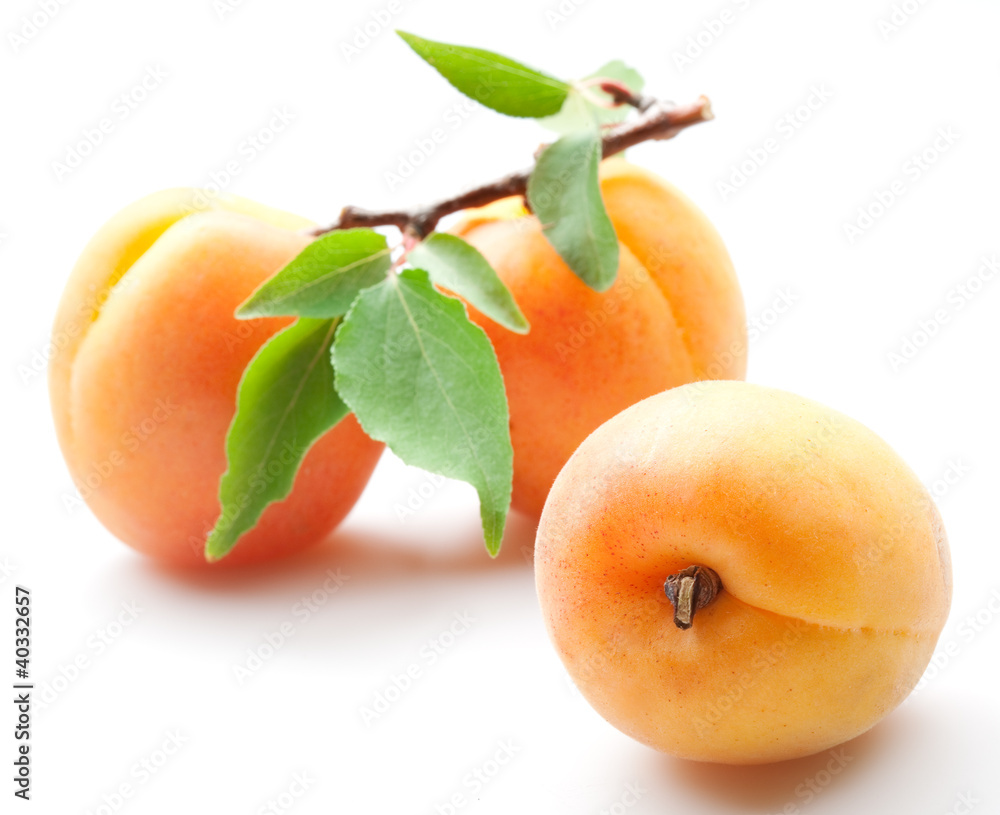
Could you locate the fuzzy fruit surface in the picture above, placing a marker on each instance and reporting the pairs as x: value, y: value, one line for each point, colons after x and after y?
x: 674, y: 315
x: 144, y: 386
x: 835, y: 572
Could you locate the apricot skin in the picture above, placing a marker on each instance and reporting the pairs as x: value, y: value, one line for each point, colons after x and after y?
x: 674, y: 315
x: 144, y: 387
x: 833, y: 559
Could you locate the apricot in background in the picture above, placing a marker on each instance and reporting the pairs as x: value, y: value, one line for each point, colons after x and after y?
x: 833, y: 562
x: 144, y: 387
x: 674, y: 315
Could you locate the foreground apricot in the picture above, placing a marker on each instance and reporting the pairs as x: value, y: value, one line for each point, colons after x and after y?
x: 732, y: 573
x: 144, y: 387
x: 674, y: 315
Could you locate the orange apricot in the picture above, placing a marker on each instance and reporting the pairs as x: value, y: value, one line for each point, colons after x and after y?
x: 144, y: 387
x: 674, y: 315
x: 733, y: 573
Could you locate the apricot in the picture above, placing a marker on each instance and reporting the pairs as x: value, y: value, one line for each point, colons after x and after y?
x: 674, y: 315
x: 823, y: 575
x: 144, y: 387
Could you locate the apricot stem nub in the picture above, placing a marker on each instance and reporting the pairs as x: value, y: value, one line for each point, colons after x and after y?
x: 689, y: 590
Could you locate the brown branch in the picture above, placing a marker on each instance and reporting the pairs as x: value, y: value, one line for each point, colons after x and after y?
x: 621, y: 94
x: 656, y: 121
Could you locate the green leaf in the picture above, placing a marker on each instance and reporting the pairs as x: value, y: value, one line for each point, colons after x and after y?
x: 565, y: 195
x: 578, y: 112
x: 492, y: 80
x: 286, y: 401
x: 325, y: 277
x: 616, y: 69
x: 459, y: 267
x: 425, y: 380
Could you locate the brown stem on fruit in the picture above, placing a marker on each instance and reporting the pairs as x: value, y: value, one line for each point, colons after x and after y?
x: 656, y: 121
x: 689, y: 590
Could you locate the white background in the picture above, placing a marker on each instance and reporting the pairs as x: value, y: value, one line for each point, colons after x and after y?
x: 171, y: 671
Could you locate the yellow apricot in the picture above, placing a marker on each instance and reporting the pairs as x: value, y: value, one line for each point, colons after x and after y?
x: 674, y: 315
x: 144, y: 387
x: 834, y: 569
